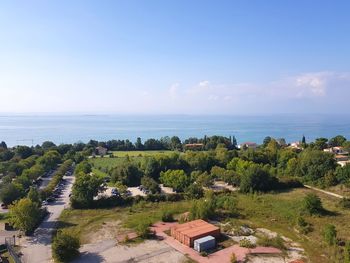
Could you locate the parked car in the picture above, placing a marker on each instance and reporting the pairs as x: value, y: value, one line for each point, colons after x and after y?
x: 50, y: 199
x: 44, y: 203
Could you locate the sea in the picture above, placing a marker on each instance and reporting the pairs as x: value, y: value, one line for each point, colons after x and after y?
x: 71, y: 128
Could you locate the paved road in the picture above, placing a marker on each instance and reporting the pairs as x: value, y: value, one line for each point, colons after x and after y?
x: 37, y: 248
x: 47, y: 179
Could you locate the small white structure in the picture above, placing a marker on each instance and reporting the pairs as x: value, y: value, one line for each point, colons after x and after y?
x: 343, y: 163
x: 204, y: 243
x: 295, y: 145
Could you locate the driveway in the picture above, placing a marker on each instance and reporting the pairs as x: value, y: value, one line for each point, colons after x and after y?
x: 37, y: 248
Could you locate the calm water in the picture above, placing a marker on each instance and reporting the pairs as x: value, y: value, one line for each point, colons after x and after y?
x: 16, y: 130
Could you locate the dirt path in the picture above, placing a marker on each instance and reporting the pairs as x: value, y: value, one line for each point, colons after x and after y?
x: 323, y: 191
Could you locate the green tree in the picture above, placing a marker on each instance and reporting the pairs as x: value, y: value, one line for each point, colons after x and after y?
x: 34, y: 196
x: 25, y: 215
x: 321, y: 143
x: 138, y: 144
x: 50, y: 159
x: 337, y: 141
x: 23, y: 151
x: 176, y: 179
x: 202, y: 209
x: 194, y: 191
x: 11, y: 192
x: 303, y: 140
x: 175, y: 143
x: 48, y: 145
x: 256, y: 178
x: 314, y: 165
x: 127, y: 173
x: 312, y: 204
x: 204, y: 179
x: 266, y: 141
x: 151, y: 167
x: 65, y: 246
x: 84, y: 167
x: 330, y: 234
x: 150, y: 184
x: 85, y: 188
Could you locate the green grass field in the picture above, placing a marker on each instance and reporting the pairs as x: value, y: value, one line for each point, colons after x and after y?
x: 139, y: 153
x: 107, y: 163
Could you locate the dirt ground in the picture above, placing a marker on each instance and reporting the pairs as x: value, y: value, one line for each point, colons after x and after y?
x: 109, y: 230
x: 265, y: 259
x: 150, y: 251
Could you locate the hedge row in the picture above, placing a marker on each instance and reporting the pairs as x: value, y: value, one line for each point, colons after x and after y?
x: 62, y: 169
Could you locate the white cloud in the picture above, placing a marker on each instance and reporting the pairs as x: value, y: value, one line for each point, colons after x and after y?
x: 204, y: 83
x: 173, y: 90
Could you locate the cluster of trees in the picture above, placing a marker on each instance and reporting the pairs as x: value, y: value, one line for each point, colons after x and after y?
x: 23, y: 170
x: 85, y: 187
x: 212, y: 206
x: 164, y: 143
x: 62, y: 169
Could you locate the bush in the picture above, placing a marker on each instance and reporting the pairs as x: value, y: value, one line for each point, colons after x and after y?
x: 345, y: 203
x: 312, y: 204
x: 204, y: 254
x: 143, y: 230
x: 246, y: 243
x: 233, y: 258
x: 304, y: 227
x: 330, y: 234
x: 347, y: 252
x: 65, y: 247
x: 276, y: 242
x: 167, y: 216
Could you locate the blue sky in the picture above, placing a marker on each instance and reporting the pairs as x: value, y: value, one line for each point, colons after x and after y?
x: 195, y: 57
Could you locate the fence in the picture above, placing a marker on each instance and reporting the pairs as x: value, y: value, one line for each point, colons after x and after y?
x: 10, y: 243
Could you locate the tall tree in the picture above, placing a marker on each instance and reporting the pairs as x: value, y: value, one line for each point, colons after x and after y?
x: 25, y: 215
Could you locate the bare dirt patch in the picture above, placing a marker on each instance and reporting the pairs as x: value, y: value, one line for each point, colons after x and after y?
x: 108, y: 230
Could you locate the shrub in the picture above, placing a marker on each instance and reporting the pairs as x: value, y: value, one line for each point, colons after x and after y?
x: 330, y: 234
x: 143, y: 230
x: 233, y: 258
x: 276, y: 242
x: 65, y: 247
x: 304, y: 227
x: 246, y: 243
x: 345, y: 203
x: 347, y: 252
x: 204, y: 254
x: 167, y: 216
x: 312, y: 204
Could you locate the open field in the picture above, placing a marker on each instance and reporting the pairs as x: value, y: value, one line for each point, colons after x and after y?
x: 340, y: 189
x: 105, y: 162
x: 90, y: 224
x: 140, y: 153
x: 278, y: 212
x: 274, y: 211
x: 119, y: 157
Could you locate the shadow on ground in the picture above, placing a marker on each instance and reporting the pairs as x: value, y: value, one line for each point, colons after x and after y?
x: 88, y: 257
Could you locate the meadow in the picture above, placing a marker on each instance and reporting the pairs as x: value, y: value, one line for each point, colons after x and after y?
x: 275, y: 211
